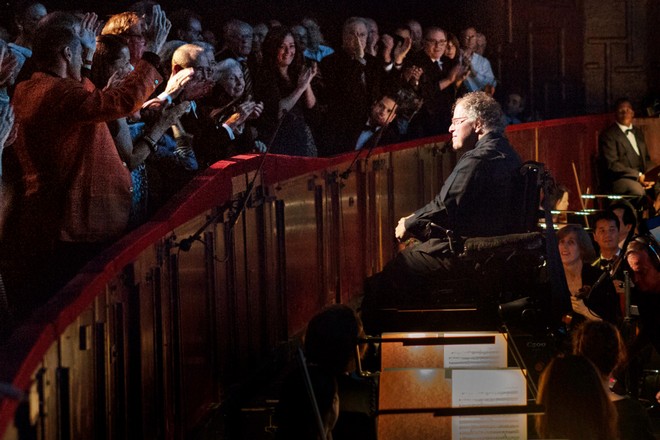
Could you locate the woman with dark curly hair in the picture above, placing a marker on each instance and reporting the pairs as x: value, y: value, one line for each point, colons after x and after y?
x: 284, y: 86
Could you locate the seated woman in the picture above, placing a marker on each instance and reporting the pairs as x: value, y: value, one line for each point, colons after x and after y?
x: 575, y: 401
x: 589, y: 303
x: 284, y: 86
x: 601, y: 343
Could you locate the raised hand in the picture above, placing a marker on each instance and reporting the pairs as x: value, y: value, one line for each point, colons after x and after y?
x: 159, y: 29
x: 171, y: 115
x: 177, y: 82
x: 89, y: 28
x: 401, y: 50
x: 6, y: 124
x: 8, y: 63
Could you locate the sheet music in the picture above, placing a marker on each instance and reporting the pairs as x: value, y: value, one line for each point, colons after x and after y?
x: 489, y: 388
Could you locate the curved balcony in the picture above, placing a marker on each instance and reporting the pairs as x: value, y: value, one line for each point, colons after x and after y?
x: 186, y: 313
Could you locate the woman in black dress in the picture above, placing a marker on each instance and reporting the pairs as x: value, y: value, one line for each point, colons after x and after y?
x: 284, y: 86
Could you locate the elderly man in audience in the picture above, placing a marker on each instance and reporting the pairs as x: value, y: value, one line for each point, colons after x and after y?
x: 316, y: 48
x: 238, y: 38
x: 73, y: 200
x: 480, y: 74
x: 431, y: 74
x: 352, y: 81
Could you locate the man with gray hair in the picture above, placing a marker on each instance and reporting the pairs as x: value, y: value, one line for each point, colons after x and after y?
x: 475, y: 201
x: 238, y: 38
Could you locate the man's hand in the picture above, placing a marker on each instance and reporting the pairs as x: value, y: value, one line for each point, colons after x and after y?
x: 400, y: 230
x: 8, y: 63
x: 159, y: 29
x: 89, y: 29
x: 647, y: 184
x: 178, y: 81
x: 6, y: 125
x: 401, y: 50
x: 356, y: 49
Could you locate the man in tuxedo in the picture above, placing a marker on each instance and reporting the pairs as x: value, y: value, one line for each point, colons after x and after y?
x: 623, y: 156
x: 476, y: 200
x: 606, y: 235
x: 377, y: 130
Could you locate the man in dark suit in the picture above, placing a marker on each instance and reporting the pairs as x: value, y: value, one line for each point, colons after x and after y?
x: 433, y: 86
x: 623, y: 156
x: 377, y: 130
x: 476, y: 200
x: 352, y: 80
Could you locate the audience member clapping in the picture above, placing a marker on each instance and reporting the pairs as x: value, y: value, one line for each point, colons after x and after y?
x: 85, y: 193
x: 284, y: 87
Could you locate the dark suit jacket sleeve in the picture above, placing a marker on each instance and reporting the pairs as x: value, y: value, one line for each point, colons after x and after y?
x: 612, y: 153
x: 464, y: 184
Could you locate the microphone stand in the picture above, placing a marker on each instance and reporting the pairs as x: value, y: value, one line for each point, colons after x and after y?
x: 312, y: 397
x: 186, y: 243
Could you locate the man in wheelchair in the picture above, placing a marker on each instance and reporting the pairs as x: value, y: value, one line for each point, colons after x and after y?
x: 480, y: 198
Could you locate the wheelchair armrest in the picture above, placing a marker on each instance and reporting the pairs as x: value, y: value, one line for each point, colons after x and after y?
x: 475, y: 247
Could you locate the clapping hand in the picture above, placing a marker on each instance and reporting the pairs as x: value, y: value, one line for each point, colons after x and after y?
x: 306, y: 76
x: 89, y: 29
x: 6, y: 125
x: 8, y: 63
x: 159, y: 29
x: 401, y: 50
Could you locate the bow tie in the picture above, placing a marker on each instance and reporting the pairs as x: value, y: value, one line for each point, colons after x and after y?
x: 628, y: 131
x: 371, y: 128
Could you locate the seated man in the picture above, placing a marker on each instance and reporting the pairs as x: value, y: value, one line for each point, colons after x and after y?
x: 623, y: 156
x: 475, y: 201
x: 606, y: 235
x: 377, y: 130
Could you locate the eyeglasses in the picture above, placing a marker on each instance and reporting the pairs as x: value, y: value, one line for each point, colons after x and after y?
x: 458, y: 121
x: 436, y: 42
x: 206, y: 71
